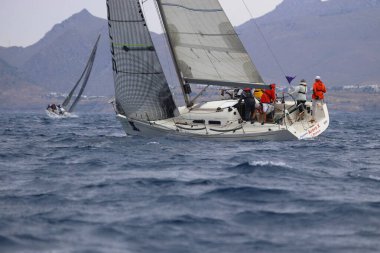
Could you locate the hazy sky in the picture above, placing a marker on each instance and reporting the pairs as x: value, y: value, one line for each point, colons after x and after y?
x: 24, y: 22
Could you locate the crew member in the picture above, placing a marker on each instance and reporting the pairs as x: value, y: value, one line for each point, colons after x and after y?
x: 249, y: 104
x: 53, y: 107
x: 258, y: 93
x: 299, y: 94
x: 319, y: 90
x: 271, y: 92
x: 266, y: 107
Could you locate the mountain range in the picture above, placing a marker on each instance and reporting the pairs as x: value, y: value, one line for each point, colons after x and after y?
x: 336, y: 39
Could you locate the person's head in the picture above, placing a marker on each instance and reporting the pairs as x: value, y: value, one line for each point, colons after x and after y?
x: 247, y: 89
x: 272, y: 86
x: 303, y: 82
x: 317, y: 78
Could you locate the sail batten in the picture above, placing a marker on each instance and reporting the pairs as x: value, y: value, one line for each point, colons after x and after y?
x: 127, y: 21
x: 205, y: 44
x: 226, y: 83
x: 141, y: 73
x: 192, y: 9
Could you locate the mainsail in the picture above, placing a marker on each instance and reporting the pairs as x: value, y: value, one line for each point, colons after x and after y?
x: 206, y: 47
x: 83, y: 79
x: 141, y: 89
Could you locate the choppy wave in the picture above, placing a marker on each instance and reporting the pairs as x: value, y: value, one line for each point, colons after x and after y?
x: 80, y: 185
x: 270, y: 164
x: 371, y: 176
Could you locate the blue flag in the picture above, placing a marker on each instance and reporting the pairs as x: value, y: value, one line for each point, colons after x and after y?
x: 290, y: 79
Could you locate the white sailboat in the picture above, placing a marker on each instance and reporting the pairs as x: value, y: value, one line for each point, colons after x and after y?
x: 205, y: 50
x: 67, y: 107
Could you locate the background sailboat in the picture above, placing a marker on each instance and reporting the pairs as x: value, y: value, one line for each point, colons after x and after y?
x: 68, y: 105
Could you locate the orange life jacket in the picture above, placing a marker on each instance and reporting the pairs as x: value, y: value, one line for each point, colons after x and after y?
x: 318, y: 90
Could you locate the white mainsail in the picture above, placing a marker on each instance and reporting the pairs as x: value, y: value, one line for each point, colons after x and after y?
x: 206, y: 47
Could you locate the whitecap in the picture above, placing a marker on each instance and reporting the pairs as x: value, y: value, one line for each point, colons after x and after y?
x: 269, y: 163
x: 373, y: 177
x: 153, y: 143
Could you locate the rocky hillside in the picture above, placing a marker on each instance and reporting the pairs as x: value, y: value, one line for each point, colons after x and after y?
x: 56, y: 61
x: 337, y: 39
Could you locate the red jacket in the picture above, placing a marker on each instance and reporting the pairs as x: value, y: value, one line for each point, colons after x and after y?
x: 319, y: 89
x: 271, y: 93
x: 265, y: 99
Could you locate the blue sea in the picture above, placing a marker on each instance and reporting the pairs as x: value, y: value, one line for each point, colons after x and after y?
x: 80, y: 185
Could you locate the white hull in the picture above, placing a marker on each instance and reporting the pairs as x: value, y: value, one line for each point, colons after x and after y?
x: 56, y: 115
x: 230, y: 128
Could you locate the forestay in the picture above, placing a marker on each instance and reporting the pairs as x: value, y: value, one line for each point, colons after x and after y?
x: 206, y: 47
x: 141, y: 88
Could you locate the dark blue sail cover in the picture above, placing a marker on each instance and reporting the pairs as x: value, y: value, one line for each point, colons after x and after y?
x: 141, y: 89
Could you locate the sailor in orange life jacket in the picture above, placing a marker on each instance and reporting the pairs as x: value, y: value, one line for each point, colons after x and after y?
x: 268, y: 97
x: 319, y: 89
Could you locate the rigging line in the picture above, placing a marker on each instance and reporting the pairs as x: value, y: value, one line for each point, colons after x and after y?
x: 200, y: 42
x: 173, y: 60
x: 266, y: 41
x: 166, y: 45
x: 200, y: 94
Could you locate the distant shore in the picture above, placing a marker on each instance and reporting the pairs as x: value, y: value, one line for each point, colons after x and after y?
x: 339, y: 100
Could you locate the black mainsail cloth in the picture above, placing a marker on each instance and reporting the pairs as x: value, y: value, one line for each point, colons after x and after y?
x: 141, y: 88
x: 206, y: 47
x: 82, y: 80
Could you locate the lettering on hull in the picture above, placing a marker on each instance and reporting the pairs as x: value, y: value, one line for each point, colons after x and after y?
x: 133, y: 126
x: 312, y: 132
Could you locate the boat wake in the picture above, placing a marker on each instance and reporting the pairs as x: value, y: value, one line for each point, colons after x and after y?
x: 57, y: 116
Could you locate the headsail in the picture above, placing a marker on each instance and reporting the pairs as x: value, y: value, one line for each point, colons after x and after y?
x: 83, y: 79
x: 205, y: 44
x: 141, y: 88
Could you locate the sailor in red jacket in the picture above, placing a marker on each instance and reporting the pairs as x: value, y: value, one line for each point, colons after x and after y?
x: 271, y: 92
x: 268, y: 97
x: 319, y: 90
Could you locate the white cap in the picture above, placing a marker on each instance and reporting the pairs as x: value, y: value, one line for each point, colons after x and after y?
x: 317, y: 78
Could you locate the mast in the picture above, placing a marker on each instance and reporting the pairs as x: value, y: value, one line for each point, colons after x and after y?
x: 181, y: 80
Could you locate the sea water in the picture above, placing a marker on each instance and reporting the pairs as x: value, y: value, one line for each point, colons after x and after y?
x: 80, y: 185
